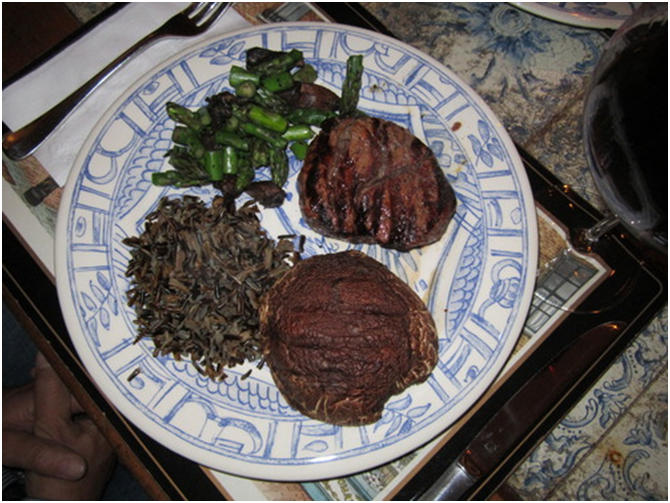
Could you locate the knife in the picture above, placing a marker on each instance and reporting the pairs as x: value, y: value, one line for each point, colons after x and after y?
x: 515, y: 420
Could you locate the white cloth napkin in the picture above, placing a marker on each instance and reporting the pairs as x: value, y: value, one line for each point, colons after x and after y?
x: 47, y: 85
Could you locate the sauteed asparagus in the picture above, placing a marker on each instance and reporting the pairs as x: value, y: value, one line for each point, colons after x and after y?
x: 274, y: 106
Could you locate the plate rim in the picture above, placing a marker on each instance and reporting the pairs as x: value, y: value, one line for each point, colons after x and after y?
x: 571, y: 18
x: 313, y: 471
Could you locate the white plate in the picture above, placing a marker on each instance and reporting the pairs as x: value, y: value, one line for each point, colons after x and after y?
x: 585, y: 14
x: 477, y: 281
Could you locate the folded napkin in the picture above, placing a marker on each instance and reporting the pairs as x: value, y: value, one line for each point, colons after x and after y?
x: 43, y: 88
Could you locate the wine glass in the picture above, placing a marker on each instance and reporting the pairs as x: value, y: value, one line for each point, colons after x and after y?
x: 626, y: 145
x: 626, y: 129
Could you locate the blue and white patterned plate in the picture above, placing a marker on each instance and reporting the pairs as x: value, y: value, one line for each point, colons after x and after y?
x: 477, y: 281
x: 601, y: 15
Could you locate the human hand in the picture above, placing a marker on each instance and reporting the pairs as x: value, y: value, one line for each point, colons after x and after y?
x: 64, y: 455
x: 21, y: 449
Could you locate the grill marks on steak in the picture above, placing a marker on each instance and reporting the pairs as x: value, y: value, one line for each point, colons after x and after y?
x: 342, y: 334
x: 368, y: 180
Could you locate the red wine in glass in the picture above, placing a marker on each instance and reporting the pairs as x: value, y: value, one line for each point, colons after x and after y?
x: 626, y: 126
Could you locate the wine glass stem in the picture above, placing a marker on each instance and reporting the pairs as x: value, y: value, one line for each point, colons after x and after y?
x: 600, y: 228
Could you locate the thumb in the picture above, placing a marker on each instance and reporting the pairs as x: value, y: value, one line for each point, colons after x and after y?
x: 45, y: 457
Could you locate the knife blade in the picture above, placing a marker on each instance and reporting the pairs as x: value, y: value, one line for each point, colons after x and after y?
x: 515, y: 419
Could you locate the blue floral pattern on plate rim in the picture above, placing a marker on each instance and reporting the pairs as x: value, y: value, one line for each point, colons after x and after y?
x: 477, y: 280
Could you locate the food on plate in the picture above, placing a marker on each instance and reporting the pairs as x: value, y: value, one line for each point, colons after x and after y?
x: 364, y: 179
x: 197, y: 274
x: 274, y: 105
x: 368, y: 180
x: 342, y: 334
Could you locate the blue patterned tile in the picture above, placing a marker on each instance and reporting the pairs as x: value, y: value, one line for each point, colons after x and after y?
x: 520, y: 77
x: 548, y: 466
x: 560, y: 147
x: 632, y: 462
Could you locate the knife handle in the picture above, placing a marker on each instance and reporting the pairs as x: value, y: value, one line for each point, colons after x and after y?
x: 451, y: 485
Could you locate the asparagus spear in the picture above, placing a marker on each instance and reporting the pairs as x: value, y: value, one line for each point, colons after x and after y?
x: 279, y: 166
x: 309, y: 116
x: 283, y: 62
x: 245, y: 173
x: 231, y: 139
x: 214, y: 164
x: 270, y: 101
x: 298, y: 132
x: 183, y: 115
x: 278, y: 82
x: 267, y: 119
x: 188, y: 172
x: 239, y: 75
x: 351, y: 87
x: 299, y: 149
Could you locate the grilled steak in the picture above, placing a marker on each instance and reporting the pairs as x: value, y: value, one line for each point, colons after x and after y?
x: 341, y: 334
x: 368, y: 180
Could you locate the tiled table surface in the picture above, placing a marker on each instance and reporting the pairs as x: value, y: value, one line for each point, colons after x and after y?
x: 613, y: 445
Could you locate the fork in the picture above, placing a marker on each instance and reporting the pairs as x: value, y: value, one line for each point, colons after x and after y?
x: 193, y: 20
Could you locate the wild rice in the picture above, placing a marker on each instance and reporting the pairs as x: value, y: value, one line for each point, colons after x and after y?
x: 198, y: 274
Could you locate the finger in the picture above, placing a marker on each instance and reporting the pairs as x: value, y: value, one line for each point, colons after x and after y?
x: 30, y: 453
x: 18, y: 407
x: 75, y: 408
x: 52, y: 398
